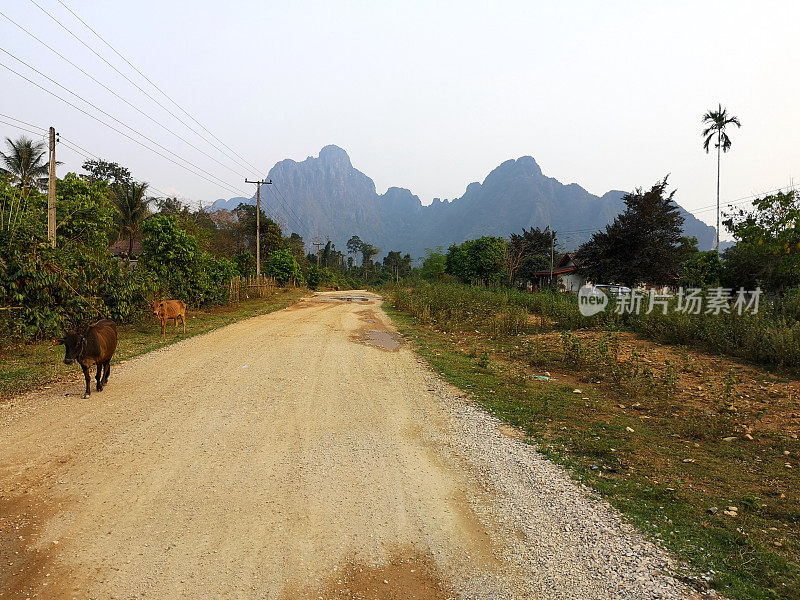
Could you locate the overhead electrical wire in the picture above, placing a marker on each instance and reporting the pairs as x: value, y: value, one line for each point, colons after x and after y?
x: 152, y: 141
x: 20, y: 127
x: 146, y: 78
x: 289, y: 210
x: 118, y: 96
x: 219, y: 183
x: 128, y: 79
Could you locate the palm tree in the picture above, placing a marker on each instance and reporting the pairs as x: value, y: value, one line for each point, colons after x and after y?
x: 717, y: 121
x: 26, y: 163
x: 132, y: 208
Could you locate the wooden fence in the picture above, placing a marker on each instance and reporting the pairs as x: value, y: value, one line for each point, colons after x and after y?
x: 242, y: 288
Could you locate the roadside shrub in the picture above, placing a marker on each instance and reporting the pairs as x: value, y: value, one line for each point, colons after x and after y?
x: 770, y: 337
x: 245, y: 264
x: 181, y: 269
x: 282, y: 265
x: 49, y: 290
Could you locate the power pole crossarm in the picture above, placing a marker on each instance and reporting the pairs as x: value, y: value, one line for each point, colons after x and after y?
x: 258, y: 223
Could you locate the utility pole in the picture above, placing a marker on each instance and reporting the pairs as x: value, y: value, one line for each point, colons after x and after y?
x: 258, y: 223
x: 317, y: 242
x: 51, y: 191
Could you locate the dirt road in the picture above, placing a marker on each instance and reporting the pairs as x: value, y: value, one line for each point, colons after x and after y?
x: 285, y: 457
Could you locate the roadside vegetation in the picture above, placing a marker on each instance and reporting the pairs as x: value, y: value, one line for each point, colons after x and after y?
x: 687, y: 423
x: 670, y: 435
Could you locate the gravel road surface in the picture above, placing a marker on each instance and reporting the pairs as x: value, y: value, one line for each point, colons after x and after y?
x: 301, y: 454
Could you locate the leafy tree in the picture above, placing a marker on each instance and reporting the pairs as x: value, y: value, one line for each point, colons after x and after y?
x: 743, y: 266
x: 354, y: 246
x: 282, y: 265
x: 481, y: 261
x: 688, y: 246
x: 131, y: 202
x: 166, y: 247
x: 101, y: 170
x: 169, y: 206
x: 181, y: 268
x: 643, y: 244
x: 529, y: 252
x: 396, y: 265
x: 245, y: 263
x: 271, y: 234
x: 434, y: 265
x: 26, y: 164
x: 295, y: 243
x: 367, y: 252
x: 716, y: 122
x: 83, y: 212
x: 701, y: 270
x: 768, y: 239
x: 314, y: 277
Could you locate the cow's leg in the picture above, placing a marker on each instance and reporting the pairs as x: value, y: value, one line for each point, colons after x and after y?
x: 88, y: 378
x: 99, y: 376
x: 183, y: 320
x: 176, y: 325
x: 106, y: 371
x: 163, y: 326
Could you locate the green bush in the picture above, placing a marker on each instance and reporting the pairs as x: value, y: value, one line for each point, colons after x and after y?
x: 282, y: 265
x: 51, y: 290
x: 181, y: 269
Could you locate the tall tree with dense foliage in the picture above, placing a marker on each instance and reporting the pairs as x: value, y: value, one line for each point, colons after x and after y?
x: 482, y: 261
x: 768, y: 240
x: 367, y: 252
x: 434, y: 266
x: 271, y: 234
x: 529, y: 252
x: 642, y: 245
x: 716, y: 122
x: 130, y: 199
x: 84, y: 213
x: 102, y: 170
x: 354, y: 247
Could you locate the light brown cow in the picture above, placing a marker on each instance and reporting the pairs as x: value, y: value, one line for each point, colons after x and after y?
x: 170, y: 309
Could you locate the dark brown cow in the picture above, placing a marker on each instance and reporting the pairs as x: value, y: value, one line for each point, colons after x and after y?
x: 170, y: 309
x: 94, y: 347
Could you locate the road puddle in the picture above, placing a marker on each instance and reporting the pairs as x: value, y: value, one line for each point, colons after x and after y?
x: 344, y: 298
x: 384, y: 340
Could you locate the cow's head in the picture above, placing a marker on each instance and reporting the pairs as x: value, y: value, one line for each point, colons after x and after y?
x: 157, y: 304
x: 73, y: 347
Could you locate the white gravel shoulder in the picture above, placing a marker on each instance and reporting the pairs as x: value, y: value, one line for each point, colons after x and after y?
x: 565, y: 542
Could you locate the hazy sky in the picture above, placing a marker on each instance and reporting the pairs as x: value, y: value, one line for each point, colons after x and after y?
x: 427, y: 95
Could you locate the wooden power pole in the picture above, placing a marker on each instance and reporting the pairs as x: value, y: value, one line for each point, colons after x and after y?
x: 51, y: 191
x: 258, y: 223
x: 317, y: 242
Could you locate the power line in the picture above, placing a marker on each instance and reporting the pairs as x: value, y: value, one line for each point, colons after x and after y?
x: 132, y: 66
x: 67, y: 143
x: 118, y: 96
x: 128, y: 79
x: 219, y: 183
x: 23, y: 122
x: 290, y: 211
x: 97, y: 108
x: 20, y: 127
